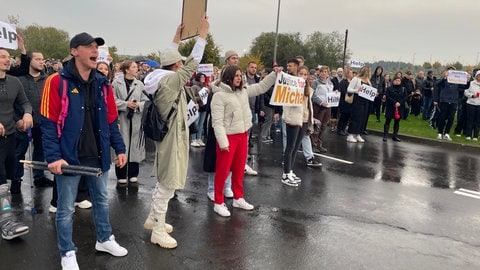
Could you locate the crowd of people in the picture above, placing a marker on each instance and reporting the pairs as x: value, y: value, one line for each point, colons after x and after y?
x: 82, y: 112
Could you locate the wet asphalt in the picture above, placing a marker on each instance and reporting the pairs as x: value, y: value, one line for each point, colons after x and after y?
x: 377, y: 205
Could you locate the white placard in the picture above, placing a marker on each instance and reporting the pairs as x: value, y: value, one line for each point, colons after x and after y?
x: 206, y: 69
x: 288, y: 90
x: 203, y: 94
x: 457, y: 77
x: 368, y: 92
x: 333, y: 99
x: 8, y: 36
x: 357, y: 64
x: 103, y: 54
x: 192, y: 112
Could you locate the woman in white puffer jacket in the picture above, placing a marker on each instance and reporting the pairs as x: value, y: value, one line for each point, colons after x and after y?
x: 473, y: 108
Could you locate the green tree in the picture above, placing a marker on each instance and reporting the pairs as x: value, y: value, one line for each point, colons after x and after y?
x: 243, y: 61
x: 52, y: 42
x: 325, y: 49
x: 211, y: 54
x: 437, y: 65
x: 427, y: 65
x: 289, y: 46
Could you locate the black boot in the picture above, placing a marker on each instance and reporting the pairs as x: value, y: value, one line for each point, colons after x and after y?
x: 385, y: 132
x: 396, y: 127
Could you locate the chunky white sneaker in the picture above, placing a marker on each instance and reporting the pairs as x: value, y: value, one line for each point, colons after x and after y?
x: 69, y: 261
x: 221, y: 209
x: 211, y: 196
x: 241, y: 203
x: 360, y: 139
x: 439, y: 136
x: 250, y: 171
x: 288, y: 180
x: 85, y: 204
x: 447, y: 137
x: 296, y: 179
x: 122, y: 181
x: 228, y: 193
x: 194, y: 143
x: 133, y: 180
x: 475, y: 139
x: 52, y: 209
x: 351, y: 139
x: 111, y: 246
x: 468, y: 138
x: 200, y: 143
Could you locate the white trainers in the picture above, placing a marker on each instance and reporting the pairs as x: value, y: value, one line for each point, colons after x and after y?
x: 133, y: 180
x: 200, y: 143
x: 111, y: 246
x: 241, y: 203
x: 228, y: 193
x: 194, y: 143
x: 439, y: 136
x: 296, y: 179
x: 211, y: 196
x: 475, y: 139
x: 85, y: 204
x: 447, y: 137
x: 122, y: 181
x: 351, y: 139
x: 289, y: 180
x: 360, y: 139
x: 250, y: 171
x: 468, y: 138
x: 69, y: 261
x: 52, y: 209
x: 221, y: 209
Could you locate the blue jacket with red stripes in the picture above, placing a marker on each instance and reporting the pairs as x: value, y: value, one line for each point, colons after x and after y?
x: 61, y: 132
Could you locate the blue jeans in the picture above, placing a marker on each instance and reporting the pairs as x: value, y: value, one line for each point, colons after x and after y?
x: 307, y: 145
x: 199, y: 122
x: 211, y: 177
x: 427, y: 105
x: 67, y: 187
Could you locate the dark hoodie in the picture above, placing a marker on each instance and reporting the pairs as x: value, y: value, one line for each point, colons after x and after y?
x: 378, y: 81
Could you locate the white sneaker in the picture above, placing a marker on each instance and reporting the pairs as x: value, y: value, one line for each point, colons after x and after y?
x: 296, y: 179
x: 85, y: 204
x: 475, y: 139
x: 211, y: 196
x: 241, y: 203
x: 351, y: 139
x: 194, y: 143
x: 69, y: 261
x: 447, y: 137
x: 250, y: 171
x: 52, y: 209
x: 288, y: 180
x: 133, y: 180
x: 228, y: 193
x: 221, y: 209
x: 468, y: 138
x: 122, y: 181
x: 200, y: 143
x: 439, y: 136
x: 111, y: 246
x: 360, y: 139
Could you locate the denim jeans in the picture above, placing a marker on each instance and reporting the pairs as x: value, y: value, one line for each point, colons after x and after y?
x: 307, y: 145
x: 211, y: 177
x: 21, y: 150
x: 67, y: 187
x: 199, y: 122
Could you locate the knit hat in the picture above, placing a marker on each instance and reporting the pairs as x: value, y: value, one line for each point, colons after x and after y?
x: 477, y: 73
x: 230, y: 53
x: 170, y: 56
x: 85, y: 39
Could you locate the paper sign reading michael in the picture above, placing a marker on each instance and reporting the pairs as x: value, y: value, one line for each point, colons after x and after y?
x: 8, y: 36
x: 206, y: 69
x: 192, y: 112
x: 288, y: 90
x: 368, y: 92
x: 457, y: 77
x: 333, y: 99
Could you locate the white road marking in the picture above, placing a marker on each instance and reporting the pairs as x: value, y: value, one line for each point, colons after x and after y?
x: 470, y: 191
x: 333, y: 158
x: 467, y: 194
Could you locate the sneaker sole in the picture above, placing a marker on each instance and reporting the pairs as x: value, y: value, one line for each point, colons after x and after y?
x: 290, y: 184
x: 106, y: 251
x: 10, y: 237
x: 247, y: 209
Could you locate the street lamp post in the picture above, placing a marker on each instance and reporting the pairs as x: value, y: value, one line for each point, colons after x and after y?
x: 276, y: 36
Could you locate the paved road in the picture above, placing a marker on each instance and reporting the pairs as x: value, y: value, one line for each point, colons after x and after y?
x: 393, y: 208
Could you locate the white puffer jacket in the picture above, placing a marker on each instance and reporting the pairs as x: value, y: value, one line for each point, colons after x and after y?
x: 473, y: 90
x: 230, y: 109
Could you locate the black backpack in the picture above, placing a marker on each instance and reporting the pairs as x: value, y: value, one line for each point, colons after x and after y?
x: 154, y: 127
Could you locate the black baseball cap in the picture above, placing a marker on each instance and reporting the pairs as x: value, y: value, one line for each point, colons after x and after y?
x: 85, y: 39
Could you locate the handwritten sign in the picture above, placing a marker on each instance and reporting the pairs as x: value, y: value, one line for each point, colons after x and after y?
x: 357, y: 64
x: 192, y: 112
x: 8, y: 36
x: 103, y: 54
x: 368, y: 92
x: 203, y: 93
x: 457, y: 77
x: 206, y: 69
x: 288, y: 90
x: 333, y: 99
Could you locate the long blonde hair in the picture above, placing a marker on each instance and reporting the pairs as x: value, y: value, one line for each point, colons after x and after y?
x: 364, y: 74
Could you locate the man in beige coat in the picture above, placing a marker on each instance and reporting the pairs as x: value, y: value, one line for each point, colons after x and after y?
x: 171, y: 158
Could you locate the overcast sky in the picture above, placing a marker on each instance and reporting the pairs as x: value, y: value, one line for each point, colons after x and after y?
x: 406, y: 30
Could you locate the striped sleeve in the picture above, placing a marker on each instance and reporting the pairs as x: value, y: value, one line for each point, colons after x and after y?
x: 50, y: 105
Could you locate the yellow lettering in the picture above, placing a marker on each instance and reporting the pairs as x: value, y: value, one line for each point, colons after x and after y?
x: 280, y: 93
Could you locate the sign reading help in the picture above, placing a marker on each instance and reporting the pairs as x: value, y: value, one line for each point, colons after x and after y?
x: 333, y: 98
x: 8, y: 36
x: 203, y: 93
x: 368, y: 92
x: 192, y: 112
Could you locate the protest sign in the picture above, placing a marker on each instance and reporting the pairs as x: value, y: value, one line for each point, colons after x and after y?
x: 103, y: 54
x: 8, y: 36
x: 288, y: 90
x: 457, y: 77
x: 203, y: 93
x: 192, y: 112
x: 368, y: 92
x: 192, y: 13
x: 206, y: 69
x: 356, y: 64
x: 333, y: 99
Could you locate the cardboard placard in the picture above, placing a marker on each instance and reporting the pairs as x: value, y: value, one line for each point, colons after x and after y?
x: 333, y: 99
x: 368, y: 92
x: 288, y: 90
x: 192, y: 13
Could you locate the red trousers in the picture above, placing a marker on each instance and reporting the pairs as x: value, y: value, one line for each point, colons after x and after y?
x: 231, y: 160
